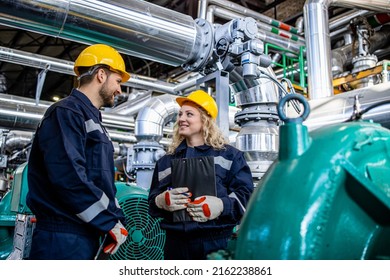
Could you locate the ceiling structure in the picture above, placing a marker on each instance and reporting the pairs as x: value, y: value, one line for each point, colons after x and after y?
x: 19, y: 80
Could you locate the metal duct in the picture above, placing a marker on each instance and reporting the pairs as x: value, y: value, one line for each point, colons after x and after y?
x: 8, y: 98
x: 245, y: 12
x: 373, y: 5
x: 318, y: 41
x: 133, y: 27
x: 20, y: 116
x: 17, y: 140
x: 345, y: 18
x: 134, y: 103
x: 151, y: 119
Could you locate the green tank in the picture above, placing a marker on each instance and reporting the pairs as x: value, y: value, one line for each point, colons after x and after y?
x: 327, y: 196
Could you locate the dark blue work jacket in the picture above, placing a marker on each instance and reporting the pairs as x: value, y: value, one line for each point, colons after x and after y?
x: 234, y: 187
x: 71, y: 169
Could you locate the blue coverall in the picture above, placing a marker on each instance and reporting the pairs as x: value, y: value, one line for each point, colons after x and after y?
x: 71, y: 181
x: 234, y: 185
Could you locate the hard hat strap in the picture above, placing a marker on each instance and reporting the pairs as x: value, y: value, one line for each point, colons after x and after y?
x: 91, y: 71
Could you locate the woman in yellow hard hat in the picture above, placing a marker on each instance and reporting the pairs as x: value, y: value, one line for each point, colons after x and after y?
x: 201, y: 186
x: 71, y: 166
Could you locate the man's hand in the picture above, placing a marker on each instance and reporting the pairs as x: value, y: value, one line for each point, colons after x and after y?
x: 205, y: 208
x: 173, y: 200
x: 117, y: 235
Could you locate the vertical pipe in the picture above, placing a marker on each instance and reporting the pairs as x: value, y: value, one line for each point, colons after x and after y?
x: 318, y: 42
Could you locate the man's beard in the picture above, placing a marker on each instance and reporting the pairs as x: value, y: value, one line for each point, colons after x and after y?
x: 106, y: 96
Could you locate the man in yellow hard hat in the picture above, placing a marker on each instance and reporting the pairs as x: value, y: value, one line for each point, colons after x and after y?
x: 71, y: 166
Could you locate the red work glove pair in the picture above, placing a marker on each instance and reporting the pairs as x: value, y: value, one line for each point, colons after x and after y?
x: 202, y: 209
x: 117, y: 236
x: 205, y: 208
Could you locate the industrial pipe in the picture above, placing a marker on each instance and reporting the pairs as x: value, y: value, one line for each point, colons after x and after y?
x: 339, y: 108
x: 202, y: 8
x: 134, y: 27
x: 152, y: 118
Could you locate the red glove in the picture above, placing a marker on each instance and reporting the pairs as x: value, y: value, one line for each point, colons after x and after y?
x: 173, y: 200
x: 117, y: 235
x: 205, y: 208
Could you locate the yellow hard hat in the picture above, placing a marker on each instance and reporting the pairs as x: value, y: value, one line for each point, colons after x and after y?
x: 203, y: 99
x: 101, y: 54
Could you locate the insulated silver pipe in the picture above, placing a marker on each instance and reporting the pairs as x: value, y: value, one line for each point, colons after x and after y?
x: 345, y: 18
x: 372, y: 5
x: 152, y: 118
x: 202, y: 8
x: 338, y: 108
x: 20, y: 116
x: 318, y: 50
x: 7, y: 98
x: 134, y: 103
x: 133, y: 27
x: 17, y: 140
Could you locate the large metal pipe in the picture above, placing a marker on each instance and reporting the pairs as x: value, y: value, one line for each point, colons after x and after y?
x: 202, y: 8
x: 152, y: 118
x: 346, y: 17
x: 339, y: 108
x: 133, y: 27
x: 17, y: 140
x: 134, y: 103
x: 318, y: 49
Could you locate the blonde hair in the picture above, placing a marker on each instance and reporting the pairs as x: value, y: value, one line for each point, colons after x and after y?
x: 212, y: 135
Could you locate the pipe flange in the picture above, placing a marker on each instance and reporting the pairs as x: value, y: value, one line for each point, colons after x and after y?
x: 202, y: 48
x: 142, y: 146
x: 144, y: 165
x: 254, y: 114
x: 361, y: 63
